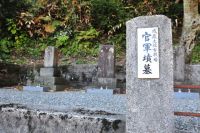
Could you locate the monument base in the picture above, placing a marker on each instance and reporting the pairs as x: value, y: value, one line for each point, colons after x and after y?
x: 50, y: 80
x: 35, y: 88
x: 109, y: 83
x: 48, y: 71
x: 58, y: 87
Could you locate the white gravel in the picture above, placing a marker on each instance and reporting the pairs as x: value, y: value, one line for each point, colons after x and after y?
x: 76, y: 100
x: 65, y: 100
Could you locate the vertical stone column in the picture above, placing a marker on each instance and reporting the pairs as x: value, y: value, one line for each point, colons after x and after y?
x: 49, y: 74
x: 106, y: 67
x: 51, y: 57
x: 50, y: 62
x: 106, y: 62
x: 149, y: 92
x: 179, y: 64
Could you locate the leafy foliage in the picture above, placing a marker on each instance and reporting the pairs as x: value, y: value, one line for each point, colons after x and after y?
x: 86, y: 42
x: 76, y: 27
x: 5, y: 47
x: 196, y: 54
x: 106, y: 14
x: 82, y: 44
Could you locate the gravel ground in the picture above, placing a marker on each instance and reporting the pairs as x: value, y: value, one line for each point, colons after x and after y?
x: 65, y: 100
x: 187, y: 102
x: 75, y: 100
x: 114, y: 104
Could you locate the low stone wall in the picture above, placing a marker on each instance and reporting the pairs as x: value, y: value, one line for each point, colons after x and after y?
x: 19, y: 119
x: 76, y: 75
x: 80, y: 75
x: 11, y: 74
x: 85, y: 74
x: 22, y: 111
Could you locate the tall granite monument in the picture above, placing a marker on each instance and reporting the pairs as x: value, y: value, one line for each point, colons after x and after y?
x: 149, y: 74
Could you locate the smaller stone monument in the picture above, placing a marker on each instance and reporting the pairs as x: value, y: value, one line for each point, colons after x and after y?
x: 49, y: 74
x: 179, y: 64
x: 106, y: 67
x: 51, y: 57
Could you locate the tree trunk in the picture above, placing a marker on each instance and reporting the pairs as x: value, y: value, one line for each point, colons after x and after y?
x: 191, y: 24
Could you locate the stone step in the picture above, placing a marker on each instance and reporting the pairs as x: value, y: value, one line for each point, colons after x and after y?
x: 47, y: 81
x: 109, y: 83
x: 49, y: 72
x: 35, y: 88
x: 53, y: 88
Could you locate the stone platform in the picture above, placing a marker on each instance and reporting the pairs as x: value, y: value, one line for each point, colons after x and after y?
x: 76, y: 112
x: 61, y: 112
x: 54, y: 83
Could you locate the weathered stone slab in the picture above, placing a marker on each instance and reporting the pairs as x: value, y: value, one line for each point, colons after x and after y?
x: 21, y: 119
x: 150, y: 106
x: 51, y: 57
x: 179, y: 64
x: 106, y: 62
x: 48, y: 71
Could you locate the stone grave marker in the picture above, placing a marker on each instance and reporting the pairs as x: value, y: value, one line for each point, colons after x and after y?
x: 106, y: 62
x: 50, y: 75
x: 106, y: 67
x: 51, y: 57
x: 149, y: 74
x: 179, y: 64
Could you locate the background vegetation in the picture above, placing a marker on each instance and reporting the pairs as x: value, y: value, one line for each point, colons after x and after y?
x: 76, y: 27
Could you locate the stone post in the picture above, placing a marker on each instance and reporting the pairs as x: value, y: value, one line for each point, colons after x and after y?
x: 106, y: 62
x: 51, y: 57
x: 49, y: 74
x: 179, y: 64
x: 149, y: 89
x: 106, y: 67
x: 50, y: 62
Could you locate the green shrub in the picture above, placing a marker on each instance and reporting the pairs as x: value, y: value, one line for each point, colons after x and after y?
x: 76, y: 27
x: 84, y: 43
x: 106, y: 14
x: 5, y: 49
x: 196, y: 54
